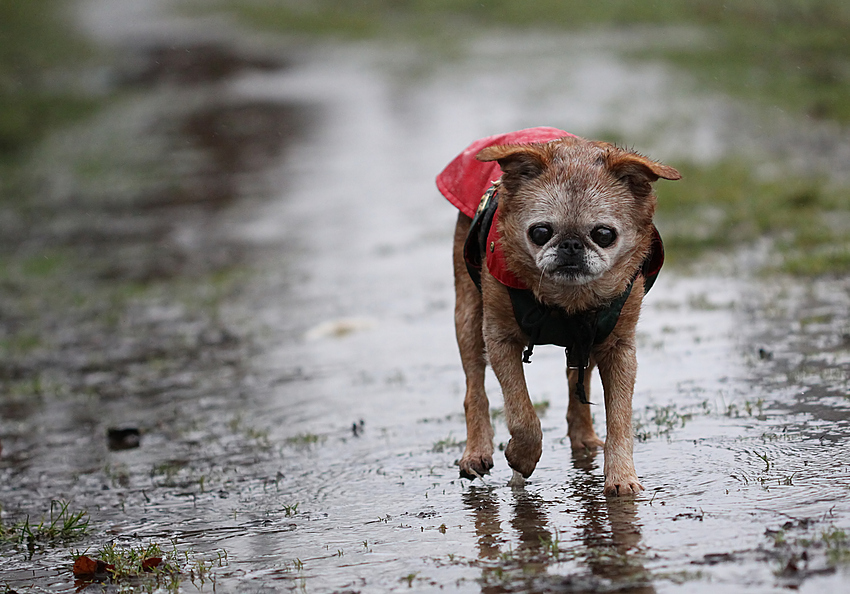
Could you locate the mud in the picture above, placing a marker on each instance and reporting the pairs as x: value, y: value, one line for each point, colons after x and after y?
x: 253, y: 272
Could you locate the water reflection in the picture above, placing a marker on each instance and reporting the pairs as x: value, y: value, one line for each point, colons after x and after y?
x: 484, y: 504
x: 530, y: 522
x: 600, y: 552
x: 610, y: 529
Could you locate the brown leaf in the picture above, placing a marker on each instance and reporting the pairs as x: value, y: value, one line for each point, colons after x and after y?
x: 151, y: 563
x: 84, y: 566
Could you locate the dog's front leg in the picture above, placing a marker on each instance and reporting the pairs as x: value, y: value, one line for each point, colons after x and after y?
x: 526, y: 443
x: 618, y: 368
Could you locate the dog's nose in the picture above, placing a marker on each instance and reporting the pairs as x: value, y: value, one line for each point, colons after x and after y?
x: 571, y: 246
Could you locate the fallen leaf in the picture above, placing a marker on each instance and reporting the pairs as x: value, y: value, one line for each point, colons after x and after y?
x: 151, y: 563
x: 84, y: 566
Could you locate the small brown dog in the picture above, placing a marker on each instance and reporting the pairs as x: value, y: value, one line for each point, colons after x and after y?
x: 560, y: 250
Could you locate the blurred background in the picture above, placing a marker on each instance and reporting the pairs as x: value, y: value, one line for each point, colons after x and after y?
x: 786, y: 62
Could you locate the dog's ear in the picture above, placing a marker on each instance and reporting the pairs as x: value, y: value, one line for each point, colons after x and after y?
x: 519, y: 162
x: 637, y: 171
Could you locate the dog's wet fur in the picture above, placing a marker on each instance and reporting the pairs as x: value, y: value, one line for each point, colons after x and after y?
x: 575, y: 224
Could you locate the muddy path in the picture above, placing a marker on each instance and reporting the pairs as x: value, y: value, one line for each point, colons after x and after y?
x: 245, y: 263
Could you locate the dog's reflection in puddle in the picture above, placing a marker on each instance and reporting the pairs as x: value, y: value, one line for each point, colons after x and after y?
x: 598, y: 551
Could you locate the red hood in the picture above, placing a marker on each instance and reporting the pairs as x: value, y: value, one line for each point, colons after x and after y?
x: 465, y: 180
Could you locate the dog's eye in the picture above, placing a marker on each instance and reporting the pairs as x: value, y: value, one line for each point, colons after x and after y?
x: 540, y: 234
x: 603, y: 236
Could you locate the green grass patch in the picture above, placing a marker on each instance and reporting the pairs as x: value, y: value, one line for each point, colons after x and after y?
x: 662, y: 421
x: 60, y: 525
x: 43, y: 264
x: 305, y: 439
x: 19, y: 344
x: 448, y: 443
x: 127, y: 561
x: 831, y: 544
x: 37, y: 45
x: 723, y: 206
x: 793, y: 55
x: 421, y: 18
x: 151, y: 567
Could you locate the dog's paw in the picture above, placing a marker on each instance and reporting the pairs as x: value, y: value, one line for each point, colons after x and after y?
x: 474, y: 466
x: 517, y: 481
x: 624, y: 485
x: 523, y: 454
x: 586, y: 441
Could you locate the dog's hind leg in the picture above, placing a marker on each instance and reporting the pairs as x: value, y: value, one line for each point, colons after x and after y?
x: 477, y: 458
x: 579, y: 421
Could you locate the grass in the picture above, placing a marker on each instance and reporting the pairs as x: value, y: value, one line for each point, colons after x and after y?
x: 62, y: 524
x: 448, y: 443
x: 837, y: 544
x: 787, y: 54
x: 656, y: 421
x: 726, y: 205
x: 305, y: 439
x: 261, y: 436
x: 36, y: 43
x: 152, y: 568
x: 550, y: 545
x: 128, y: 561
x: 795, y: 552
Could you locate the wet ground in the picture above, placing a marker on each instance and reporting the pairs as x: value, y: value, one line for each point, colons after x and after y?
x: 244, y: 258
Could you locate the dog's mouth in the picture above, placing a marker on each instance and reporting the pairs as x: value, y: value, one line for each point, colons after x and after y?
x: 570, y: 265
x: 571, y: 274
x: 570, y: 270
x: 567, y: 270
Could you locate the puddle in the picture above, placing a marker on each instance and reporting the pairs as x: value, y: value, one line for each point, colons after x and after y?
x: 240, y: 141
x: 301, y: 433
x: 192, y: 64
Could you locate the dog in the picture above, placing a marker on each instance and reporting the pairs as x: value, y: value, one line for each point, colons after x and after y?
x: 560, y: 250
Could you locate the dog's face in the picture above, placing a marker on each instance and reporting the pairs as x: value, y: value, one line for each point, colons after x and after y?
x: 572, y: 211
